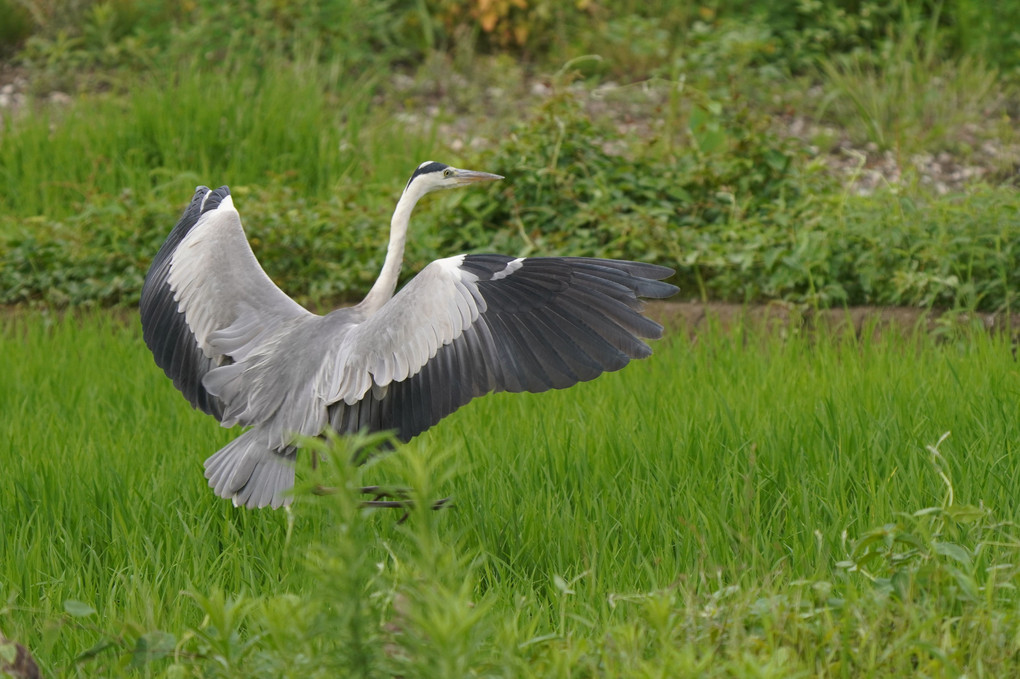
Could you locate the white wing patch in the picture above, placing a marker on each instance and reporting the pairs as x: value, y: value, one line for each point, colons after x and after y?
x: 511, y: 266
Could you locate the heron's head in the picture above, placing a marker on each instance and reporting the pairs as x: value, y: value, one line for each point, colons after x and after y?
x: 432, y: 176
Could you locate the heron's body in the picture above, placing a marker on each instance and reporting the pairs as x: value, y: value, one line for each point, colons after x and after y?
x: 241, y: 350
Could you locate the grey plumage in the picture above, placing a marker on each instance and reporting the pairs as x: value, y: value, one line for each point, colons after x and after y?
x: 239, y: 349
x: 164, y: 329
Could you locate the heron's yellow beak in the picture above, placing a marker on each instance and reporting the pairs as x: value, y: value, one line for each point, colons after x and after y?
x: 472, y: 177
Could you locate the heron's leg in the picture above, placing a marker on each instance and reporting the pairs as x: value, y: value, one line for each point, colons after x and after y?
x: 394, y: 498
x: 386, y: 498
x: 398, y: 498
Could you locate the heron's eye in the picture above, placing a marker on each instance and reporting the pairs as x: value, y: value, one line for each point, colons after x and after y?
x: 447, y: 172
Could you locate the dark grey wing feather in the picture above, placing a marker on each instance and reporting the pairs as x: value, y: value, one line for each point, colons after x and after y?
x: 164, y: 327
x: 548, y: 323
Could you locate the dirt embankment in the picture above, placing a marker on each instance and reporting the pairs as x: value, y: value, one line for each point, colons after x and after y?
x: 693, y: 316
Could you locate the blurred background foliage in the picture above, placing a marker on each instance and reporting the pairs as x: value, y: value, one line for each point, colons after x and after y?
x: 791, y: 34
x: 730, y: 140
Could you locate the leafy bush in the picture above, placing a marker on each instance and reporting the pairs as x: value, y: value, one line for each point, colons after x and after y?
x: 88, y: 191
x: 811, y: 29
x: 807, y: 30
x: 883, y: 250
x: 15, y: 25
x: 739, y: 218
x: 569, y: 192
x: 985, y: 30
x: 637, y: 39
x: 736, y: 210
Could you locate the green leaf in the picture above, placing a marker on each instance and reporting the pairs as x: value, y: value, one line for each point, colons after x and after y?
x: 776, y: 159
x: 968, y: 588
x: 909, y: 539
x: 874, y: 535
x: 94, y: 651
x: 901, y: 584
x: 954, y: 552
x: 966, y: 513
x: 562, y: 585
x: 8, y: 652
x: 864, y: 559
x: 152, y: 646
x: 78, y: 609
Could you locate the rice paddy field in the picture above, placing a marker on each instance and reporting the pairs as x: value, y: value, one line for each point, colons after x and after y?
x: 757, y: 499
x: 750, y: 501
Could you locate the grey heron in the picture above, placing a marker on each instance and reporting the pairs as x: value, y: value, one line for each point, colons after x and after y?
x: 241, y: 350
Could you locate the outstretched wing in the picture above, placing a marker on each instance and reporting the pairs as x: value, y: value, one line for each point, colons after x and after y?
x: 472, y: 324
x: 206, y: 300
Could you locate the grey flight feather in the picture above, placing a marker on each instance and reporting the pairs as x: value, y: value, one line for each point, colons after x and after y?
x: 239, y: 349
x: 164, y: 329
x: 552, y: 323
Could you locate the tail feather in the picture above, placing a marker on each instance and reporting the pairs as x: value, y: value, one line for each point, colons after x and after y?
x: 249, y: 473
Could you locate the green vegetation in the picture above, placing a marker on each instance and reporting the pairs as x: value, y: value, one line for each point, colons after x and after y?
x: 750, y: 502
x: 726, y: 505
x: 668, y: 139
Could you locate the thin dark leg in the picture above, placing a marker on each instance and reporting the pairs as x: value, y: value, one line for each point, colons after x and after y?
x: 387, y: 498
x: 396, y: 498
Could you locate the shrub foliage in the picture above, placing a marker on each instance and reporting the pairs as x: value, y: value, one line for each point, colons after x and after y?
x: 88, y: 191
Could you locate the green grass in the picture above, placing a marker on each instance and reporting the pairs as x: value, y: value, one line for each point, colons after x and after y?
x: 743, y: 503
x: 316, y: 115
x: 246, y: 121
x: 746, y: 503
x: 741, y: 213
x: 908, y: 97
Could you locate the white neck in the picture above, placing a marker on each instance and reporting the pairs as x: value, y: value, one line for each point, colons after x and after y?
x: 386, y: 284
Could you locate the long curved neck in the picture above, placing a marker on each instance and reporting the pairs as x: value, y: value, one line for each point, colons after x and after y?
x: 386, y: 284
